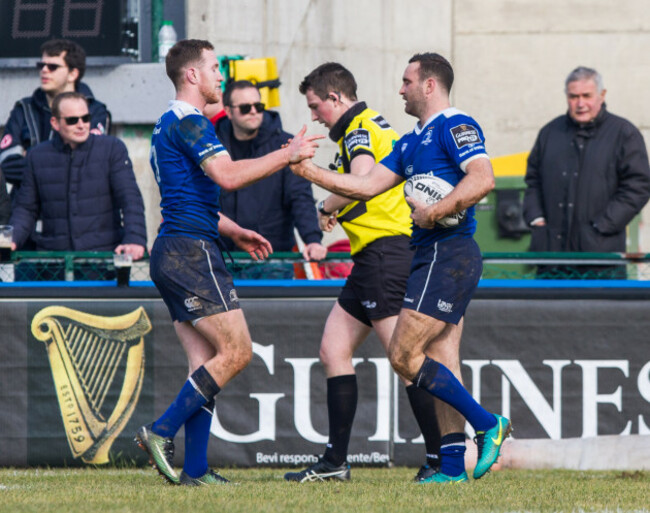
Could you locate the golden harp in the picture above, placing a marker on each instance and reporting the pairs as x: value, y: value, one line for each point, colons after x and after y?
x: 88, y: 355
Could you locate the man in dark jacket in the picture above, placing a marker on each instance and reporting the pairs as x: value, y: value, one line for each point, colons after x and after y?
x: 275, y: 205
x: 62, y: 66
x: 5, y: 202
x: 587, y: 177
x: 83, y: 187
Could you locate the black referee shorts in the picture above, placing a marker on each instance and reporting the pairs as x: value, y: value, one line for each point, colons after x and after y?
x: 375, y: 287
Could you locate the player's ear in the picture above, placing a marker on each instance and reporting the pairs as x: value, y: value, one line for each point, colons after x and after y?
x: 191, y: 75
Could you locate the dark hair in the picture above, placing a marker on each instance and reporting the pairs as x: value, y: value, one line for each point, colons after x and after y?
x: 328, y: 77
x: 181, y: 55
x: 75, y: 55
x: 234, y: 86
x: 71, y: 95
x: 433, y: 65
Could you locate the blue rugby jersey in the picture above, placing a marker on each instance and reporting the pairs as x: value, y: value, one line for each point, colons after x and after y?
x: 443, y: 147
x: 181, y: 140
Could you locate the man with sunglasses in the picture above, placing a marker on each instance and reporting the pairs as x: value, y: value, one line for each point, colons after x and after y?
x: 83, y: 187
x: 61, y: 69
x: 275, y: 205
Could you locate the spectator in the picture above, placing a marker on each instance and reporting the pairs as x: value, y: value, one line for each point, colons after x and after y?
x: 5, y: 202
x: 274, y: 205
x: 83, y: 187
x: 62, y: 67
x: 587, y: 177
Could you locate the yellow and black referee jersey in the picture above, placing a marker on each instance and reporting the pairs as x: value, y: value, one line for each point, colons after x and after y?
x: 363, y: 131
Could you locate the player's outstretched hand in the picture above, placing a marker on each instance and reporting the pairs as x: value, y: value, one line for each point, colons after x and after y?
x: 253, y: 243
x: 302, y: 147
x: 421, y: 213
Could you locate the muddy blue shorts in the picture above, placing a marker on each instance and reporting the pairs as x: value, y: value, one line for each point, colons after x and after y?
x: 192, y: 278
x: 443, y: 279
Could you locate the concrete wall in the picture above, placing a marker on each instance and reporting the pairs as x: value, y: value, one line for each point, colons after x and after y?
x: 510, y: 56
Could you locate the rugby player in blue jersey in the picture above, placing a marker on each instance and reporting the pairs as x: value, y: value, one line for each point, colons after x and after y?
x: 191, y: 166
x: 447, y: 265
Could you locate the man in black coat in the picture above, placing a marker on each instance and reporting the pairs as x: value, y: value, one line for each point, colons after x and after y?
x: 61, y: 69
x: 587, y: 177
x: 82, y: 186
x: 275, y: 205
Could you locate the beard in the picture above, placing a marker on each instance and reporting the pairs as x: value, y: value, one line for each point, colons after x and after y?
x: 210, y: 95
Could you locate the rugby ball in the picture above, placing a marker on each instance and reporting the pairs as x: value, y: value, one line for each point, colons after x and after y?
x: 430, y: 189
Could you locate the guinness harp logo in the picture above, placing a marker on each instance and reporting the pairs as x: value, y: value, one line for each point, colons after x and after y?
x: 98, y: 366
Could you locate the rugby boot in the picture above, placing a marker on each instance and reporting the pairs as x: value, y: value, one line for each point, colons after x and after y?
x: 160, y: 450
x: 425, y: 472
x: 322, y: 470
x: 440, y: 478
x: 209, y: 478
x: 489, y: 445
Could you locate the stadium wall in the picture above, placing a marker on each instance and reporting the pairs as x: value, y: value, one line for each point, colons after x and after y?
x: 560, y: 369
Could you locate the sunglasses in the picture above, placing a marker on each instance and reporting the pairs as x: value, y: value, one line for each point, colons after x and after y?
x: 245, y: 108
x: 73, y: 120
x: 50, y: 66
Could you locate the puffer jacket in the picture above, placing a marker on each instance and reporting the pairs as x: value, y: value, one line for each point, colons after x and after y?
x: 87, y: 198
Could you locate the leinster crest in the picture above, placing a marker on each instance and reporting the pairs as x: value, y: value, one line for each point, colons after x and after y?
x: 98, y: 366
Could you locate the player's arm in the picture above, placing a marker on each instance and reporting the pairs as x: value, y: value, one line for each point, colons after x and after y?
x: 252, y: 242
x: 233, y: 175
x: 477, y: 182
x: 361, y: 187
x: 360, y: 166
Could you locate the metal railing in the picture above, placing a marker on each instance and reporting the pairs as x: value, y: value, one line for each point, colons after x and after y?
x: 28, y: 266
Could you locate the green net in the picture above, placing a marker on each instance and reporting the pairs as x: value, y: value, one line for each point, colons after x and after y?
x: 25, y: 266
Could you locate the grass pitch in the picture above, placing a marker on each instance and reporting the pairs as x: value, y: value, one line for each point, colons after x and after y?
x: 371, y: 490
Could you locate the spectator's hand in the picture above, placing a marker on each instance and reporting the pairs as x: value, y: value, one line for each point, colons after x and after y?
x: 314, y: 251
x: 135, y: 250
x: 424, y: 216
x: 253, y: 243
x: 540, y: 221
x: 301, y: 147
x: 13, y: 246
x: 327, y: 223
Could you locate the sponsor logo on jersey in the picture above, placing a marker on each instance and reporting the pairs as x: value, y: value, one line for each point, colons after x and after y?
x: 192, y: 304
x: 369, y: 304
x: 426, y: 140
x: 6, y: 141
x: 409, y: 300
x: 404, y: 146
x: 233, y: 296
x: 464, y: 135
x: 381, y: 122
x: 409, y: 170
x: 443, y: 306
x: 357, y: 137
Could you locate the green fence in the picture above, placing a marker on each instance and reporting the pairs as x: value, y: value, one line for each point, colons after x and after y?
x: 27, y: 266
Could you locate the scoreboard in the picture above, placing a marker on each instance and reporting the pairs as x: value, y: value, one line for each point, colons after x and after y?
x: 101, y: 27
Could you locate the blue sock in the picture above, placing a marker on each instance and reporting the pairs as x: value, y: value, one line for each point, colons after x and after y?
x: 199, y: 389
x: 452, y: 454
x: 197, y: 436
x: 440, y: 382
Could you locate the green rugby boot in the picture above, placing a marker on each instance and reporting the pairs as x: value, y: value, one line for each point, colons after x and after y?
x: 209, y: 478
x: 160, y: 450
x: 440, y: 478
x: 489, y: 444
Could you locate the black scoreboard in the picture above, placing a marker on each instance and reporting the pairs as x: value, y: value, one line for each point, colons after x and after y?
x: 101, y: 27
